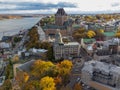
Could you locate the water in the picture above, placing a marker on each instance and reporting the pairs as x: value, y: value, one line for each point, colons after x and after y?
x: 10, y: 27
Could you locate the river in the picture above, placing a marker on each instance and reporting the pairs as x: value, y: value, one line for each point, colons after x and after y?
x: 10, y: 27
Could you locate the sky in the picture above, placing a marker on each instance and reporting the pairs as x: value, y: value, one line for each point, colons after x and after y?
x: 51, y: 6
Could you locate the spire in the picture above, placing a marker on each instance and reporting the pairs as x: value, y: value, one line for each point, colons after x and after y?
x: 58, y: 37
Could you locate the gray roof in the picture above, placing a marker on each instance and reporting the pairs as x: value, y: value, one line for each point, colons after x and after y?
x: 26, y: 66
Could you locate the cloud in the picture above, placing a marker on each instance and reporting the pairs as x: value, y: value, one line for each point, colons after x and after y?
x: 49, y: 6
x: 116, y: 4
x: 32, y: 5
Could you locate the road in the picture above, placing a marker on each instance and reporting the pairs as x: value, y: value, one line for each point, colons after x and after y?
x: 75, y: 72
x: 77, y: 66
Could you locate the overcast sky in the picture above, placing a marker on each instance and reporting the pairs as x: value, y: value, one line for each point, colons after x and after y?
x: 50, y: 6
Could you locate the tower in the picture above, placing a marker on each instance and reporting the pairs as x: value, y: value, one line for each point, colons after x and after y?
x: 58, y: 37
x: 60, y: 17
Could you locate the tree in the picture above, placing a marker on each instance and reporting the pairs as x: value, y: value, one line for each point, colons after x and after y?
x: 9, y: 70
x: 16, y: 58
x: 47, y: 83
x: 66, y: 64
x: 91, y: 33
x: 41, y: 68
x: 117, y: 34
x: 77, y: 87
x: 99, y: 35
x: 22, y: 78
x: 57, y: 80
x: 101, y: 30
x: 32, y: 85
x: 79, y: 33
x: 65, y: 69
x: 7, y: 85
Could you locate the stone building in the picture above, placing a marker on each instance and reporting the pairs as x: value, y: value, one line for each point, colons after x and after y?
x: 66, y: 50
x: 103, y: 74
x: 60, y: 17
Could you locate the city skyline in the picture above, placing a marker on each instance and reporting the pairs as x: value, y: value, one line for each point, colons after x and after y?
x: 48, y: 7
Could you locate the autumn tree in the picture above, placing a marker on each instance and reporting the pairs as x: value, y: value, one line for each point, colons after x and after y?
x: 99, y: 35
x: 22, y: 78
x: 78, y: 87
x: 32, y: 85
x: 47, y: 83
x: 117, y: 33
x: 79, y: 33
x: 65, y: 69
x: 58, y: 80
x: 7, y: 85
x: 66, y: 64
x: 91, y: 33
x: 33, y: 39
x: 41, y: 68
x: 16, y: 58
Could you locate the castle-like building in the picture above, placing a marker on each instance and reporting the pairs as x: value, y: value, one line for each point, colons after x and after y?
x: 60, y: 17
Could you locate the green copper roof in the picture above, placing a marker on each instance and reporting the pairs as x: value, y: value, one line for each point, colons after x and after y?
x: 109, y: 34
x: 86, y: 40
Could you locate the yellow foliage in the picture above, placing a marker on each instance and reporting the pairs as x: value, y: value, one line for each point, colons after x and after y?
x: 101, y: 30
x: 57, y: 80
x: 77, y: 87
x: 66, y: 64
x: 65, y: 67
x: 91, y: 33
x: 47, y: 83
x: 117, y: 35
x: 22, y: 77
x: 16, y: 58
x: 26, y: 77
x: 39, y: 67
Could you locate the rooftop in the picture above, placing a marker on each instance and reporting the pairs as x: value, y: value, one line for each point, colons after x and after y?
x: 89, y: 40
x: 71, y: 43
x: 61, y: 12
x: 26, y: 66
x: 109, y: 34
x: 89, y: 66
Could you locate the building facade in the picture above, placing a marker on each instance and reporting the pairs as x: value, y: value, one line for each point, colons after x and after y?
x: 60, y: 17
x: 104, y: 74
x: 65, y: 50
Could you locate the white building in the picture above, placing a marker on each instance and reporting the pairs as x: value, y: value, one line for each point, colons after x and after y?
x: 4, y: 45
x: 101, y: 76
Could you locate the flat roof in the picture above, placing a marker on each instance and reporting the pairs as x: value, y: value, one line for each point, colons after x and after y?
x: 109, y: 34
x: 72, y: 43
x: 86, y: 40
x: 102, y: 66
